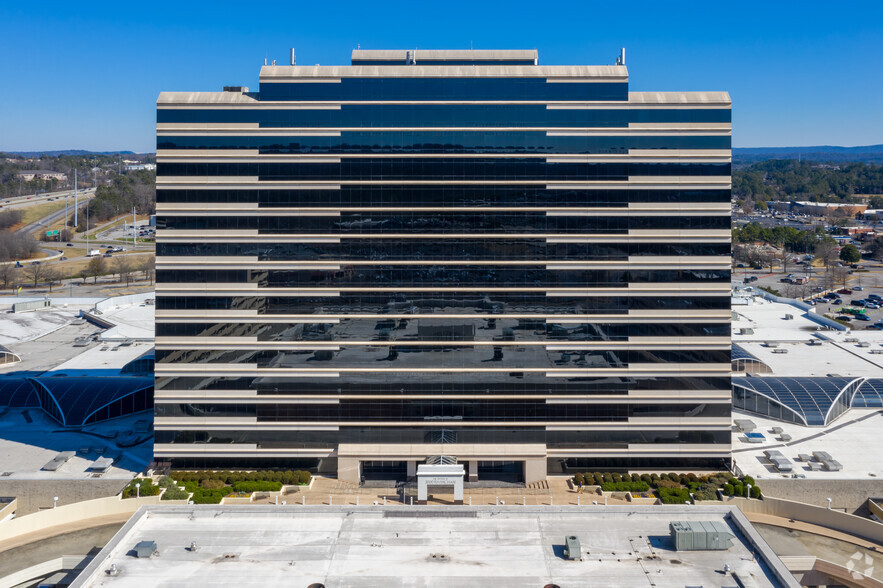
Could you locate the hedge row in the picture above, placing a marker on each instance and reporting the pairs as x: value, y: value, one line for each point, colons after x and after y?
x: 227, y: 477
x: 250, y: 487
x: 625, y: 487
x: 654, y: 480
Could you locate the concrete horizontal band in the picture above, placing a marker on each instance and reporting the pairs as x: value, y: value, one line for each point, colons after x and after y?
x: 189, y: 103
x: 574, y: 238
x: 231, y: 290
x: 245, y: 156
x: 218, y: 424
x: 670, y: 131
x: 225, y: 344
x: 192, y: 264
x: 254, y: 129
x: 252, y: 316
x: 223, y: 397
x: 243, y: 371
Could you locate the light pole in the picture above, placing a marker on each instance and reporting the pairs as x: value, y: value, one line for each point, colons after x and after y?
x: 748, y: 492
x: 137, y: 489
x: 829, y: 503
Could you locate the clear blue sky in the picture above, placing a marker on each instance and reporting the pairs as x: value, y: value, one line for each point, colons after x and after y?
x: 86, y: 75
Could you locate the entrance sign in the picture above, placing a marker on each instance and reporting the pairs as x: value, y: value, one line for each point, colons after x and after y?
x: 440, y: 475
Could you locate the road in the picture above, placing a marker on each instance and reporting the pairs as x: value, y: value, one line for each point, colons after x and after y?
x: 19, y: 202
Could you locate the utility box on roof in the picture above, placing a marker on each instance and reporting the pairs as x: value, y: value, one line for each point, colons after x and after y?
x: 572, y: 548
x: 700, y: 535
x: 146, y: 549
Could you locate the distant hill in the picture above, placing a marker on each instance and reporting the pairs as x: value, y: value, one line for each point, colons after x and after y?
x: 67, y: 152
x: 822, y: 153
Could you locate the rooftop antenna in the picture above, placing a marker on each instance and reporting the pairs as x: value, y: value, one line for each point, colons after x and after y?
x: 265, y: 60
x: 293, y: 62
x: 621, y: 59
x: 274, y: 62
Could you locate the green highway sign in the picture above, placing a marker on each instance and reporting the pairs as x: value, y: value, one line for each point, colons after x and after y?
x: 50, y: 233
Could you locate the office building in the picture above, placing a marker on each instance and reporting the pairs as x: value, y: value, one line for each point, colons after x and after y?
x: 439, y: 255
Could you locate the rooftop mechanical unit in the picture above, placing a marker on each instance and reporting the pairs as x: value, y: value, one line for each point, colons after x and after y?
x: 700, y: 535
x: 146, y: 549
x: 572, y: 548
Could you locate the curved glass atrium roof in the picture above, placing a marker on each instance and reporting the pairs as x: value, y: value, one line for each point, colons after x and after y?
x: 812, y: 401
x: 78, y: 401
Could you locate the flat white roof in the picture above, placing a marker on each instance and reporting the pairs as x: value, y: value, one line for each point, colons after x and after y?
x: 844, y: 353
x: 847, y: 440
x: 512, y: 546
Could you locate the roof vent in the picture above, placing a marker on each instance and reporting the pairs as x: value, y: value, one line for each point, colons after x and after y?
x: 621, y: 59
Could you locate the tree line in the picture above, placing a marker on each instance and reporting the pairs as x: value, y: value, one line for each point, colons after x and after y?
x: 123, y: 266
x: 135, y: 189
x: 788, y: 179
x: 795, y: 240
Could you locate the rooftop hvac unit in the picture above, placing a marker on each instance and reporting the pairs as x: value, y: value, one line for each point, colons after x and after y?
x: 771, y: 344
x: 571, y: 548
x: 700, y: 535
x: 789, y: 317
x: 146, y: 549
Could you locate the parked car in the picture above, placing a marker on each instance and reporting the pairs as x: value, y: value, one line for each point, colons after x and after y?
x: 858, y: 302
x: 874, y: 297
x: 859, y: 288
x: 70, y: 245
x: 844, y: 317
x: 862, y: 317
x: 844, y: 291
x: 837, y: 301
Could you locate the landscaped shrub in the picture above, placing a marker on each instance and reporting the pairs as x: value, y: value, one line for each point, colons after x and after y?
x: 729, y: 489
x: 738, y: 490
x: 579, y: 480
x: 705, y: 492
x: 607, y: 478
x: 147, y: 488
x: 265, y: 486
x: 674, y: 495
x: 203, y: 496
x: 755, y: 492
x: 212, y: 484
x: 665, y: 483
x: 625, y: 487
x: 175, y: 493
x: 748, y: 480
x: 167, y: 482
x: 637, y: 478
x: 617, y: 477
x: 646, y: 478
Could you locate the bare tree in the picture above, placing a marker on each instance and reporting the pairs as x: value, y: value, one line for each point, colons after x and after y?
x: 123, y: 267
x: 840, y: 275
x: 147, y: 265
x: 785, y: 257
x: 94, y: 268
x: 7, y: 274
x: 51, y: 275
x: 35, y: 272
x: 827, y: 252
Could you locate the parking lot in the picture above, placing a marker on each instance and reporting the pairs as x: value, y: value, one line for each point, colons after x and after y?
x: 861, y: 284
